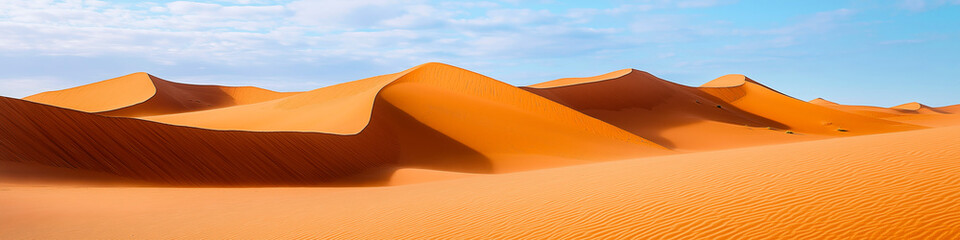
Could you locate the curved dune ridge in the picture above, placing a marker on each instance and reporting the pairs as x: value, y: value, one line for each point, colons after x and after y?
x: 163, y: 154
x: 915, y: 107
x: 141, y: 94
x: 492, y: 118
x: 748, y: 95
x: 433, y: 116
x: 888, y: 186
x: 670, y: 114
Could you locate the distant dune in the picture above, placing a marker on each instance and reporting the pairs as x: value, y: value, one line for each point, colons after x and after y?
x: 748, y: 95
x: 437, y: 151
x: 142, y: 94
x: 672, y: 115
x: 912, y: 113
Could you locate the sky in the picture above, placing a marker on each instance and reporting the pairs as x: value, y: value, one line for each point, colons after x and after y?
x: 880, y: 53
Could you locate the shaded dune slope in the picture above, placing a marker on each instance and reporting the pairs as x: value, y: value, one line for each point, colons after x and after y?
x: 153, y: 152
x: 141, y: 94
x: 750, y: 96
x: 670, y: 114
x: 950, y: 109
x: 165, y: 154
x: 903, y: 185
x: 420, y: 120
x: 493, y: 118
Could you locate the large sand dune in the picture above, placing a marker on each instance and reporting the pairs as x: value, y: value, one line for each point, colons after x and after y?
x: 437, y: 151
x: 670, y: 114
x: 493, y: 118
x: 141, y: 94
x: 131, y: 148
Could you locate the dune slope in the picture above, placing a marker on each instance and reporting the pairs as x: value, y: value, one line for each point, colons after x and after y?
x: 884, y: 186
x: 912, y: 113
x: 514, y: 129
x: 748, y: 95
x: 158, y: 153
x: 673, y: 115
x: 141, y: 94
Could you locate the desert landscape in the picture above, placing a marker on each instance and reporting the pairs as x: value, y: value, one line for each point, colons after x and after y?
x: 441, y: 152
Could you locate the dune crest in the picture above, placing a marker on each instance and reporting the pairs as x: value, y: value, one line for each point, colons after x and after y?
x: 673, y: 115
x: 465, y: 106
x: 101, y: 96
x: 748, y: 95
x: 141, y: 94
x: 821, y: 101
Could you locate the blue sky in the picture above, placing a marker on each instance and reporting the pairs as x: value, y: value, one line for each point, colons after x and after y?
x: 853, y: 52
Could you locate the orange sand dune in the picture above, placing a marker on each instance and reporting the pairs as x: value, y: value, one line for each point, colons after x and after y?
x: 706, y: 118
x: 141, y: 94
x: 915, y: 107
x: 673, y: 115
x: 912, y: 113
x: 748, y: 95
x: 903, y: 185
x: 871, y: 111
x: 141, y: 150
x: 950, y: 109
x: 511, y: 128
x: 821, y: 101
x: 464, y: 133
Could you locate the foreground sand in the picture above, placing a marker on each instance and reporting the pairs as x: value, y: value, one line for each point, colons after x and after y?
x: 887, y: 186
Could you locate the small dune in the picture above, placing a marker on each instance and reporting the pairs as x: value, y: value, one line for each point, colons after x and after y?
x: 141, y: 94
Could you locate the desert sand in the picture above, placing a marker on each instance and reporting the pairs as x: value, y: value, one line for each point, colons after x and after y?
x: 437, y: 151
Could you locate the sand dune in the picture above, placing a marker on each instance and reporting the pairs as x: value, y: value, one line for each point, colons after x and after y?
x: 912, y: 113
x: 469, y: 124
x: 731, y: 111
x: 915, y: 107
x: 748, y: 95
x: 871, y: 111
x: 886, y: 186
x: 950, y: 109
x: 673, y: 115
x: 158, y: 153
x: 821, y: 101
x: 141, y: 94
x: 467, y: 107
